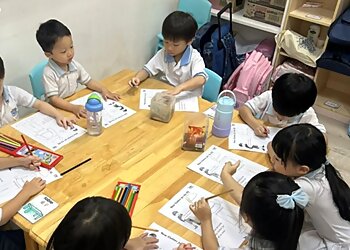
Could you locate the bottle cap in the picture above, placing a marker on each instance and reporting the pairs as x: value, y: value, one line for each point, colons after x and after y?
x: 94, y: 103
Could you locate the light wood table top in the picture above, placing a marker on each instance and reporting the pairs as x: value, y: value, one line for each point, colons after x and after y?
x: 137, y: 150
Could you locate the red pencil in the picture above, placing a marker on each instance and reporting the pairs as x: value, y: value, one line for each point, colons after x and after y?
x: 25, y: 143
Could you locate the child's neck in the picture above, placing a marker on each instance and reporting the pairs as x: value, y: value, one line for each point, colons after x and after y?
x: 178, y: 57
x: 63, y: 66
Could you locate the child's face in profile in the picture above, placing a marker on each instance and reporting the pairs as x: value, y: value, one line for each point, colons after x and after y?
x: 62, y: 52
x: 175, y: 48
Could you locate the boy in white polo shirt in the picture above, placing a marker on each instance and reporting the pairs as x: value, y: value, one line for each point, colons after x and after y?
x: 182, y: 65
x: 11, y: 97
x: 62, y: 75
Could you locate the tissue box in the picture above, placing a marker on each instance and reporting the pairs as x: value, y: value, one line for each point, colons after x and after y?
x: 162, y: 107
x: 263, y: 13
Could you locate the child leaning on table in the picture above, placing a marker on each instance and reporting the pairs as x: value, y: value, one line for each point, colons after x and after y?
x: 182, y: 65
x: 62, y: 75
x: 271, y: 203
x: 13, y: 239
x: 11, y: 97
x: 289, y: 102
x: 96, y: 223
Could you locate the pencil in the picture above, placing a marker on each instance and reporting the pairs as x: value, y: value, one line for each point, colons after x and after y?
x: 10, y: 139
x: 145, y: 228
x: 25, y: 143
x: 78, y: 165
x: 213, y: 196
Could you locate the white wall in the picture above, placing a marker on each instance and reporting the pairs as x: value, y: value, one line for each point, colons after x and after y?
x: 108, y: 35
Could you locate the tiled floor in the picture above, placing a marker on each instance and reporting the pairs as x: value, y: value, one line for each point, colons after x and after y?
x: 339, y: 145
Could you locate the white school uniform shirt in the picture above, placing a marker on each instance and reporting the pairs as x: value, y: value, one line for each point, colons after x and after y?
x: 190, y: 65
x: 331, y: 231
x: 61, y: 83
x: 12, y: 98
x: 262, y: 108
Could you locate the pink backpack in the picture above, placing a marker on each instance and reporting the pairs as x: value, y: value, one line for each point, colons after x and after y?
x: 250, y: 78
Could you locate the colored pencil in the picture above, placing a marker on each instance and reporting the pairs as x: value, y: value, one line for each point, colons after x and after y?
x: 10, y: 142
x: 134, y: 202
x: 122, y: 195
x: 129, y: 197
x: 128, y: 189
x: 7, y: 147
x: 25, y: 143
x: 130, y: 201
x: 213, y: 196
x: 15, y: 142
x: 121, y: 190
x: 78, y: 165
x: 115, y: 192
x: 145, y: 228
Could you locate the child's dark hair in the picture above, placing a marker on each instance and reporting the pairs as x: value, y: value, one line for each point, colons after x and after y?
x: 2, y: 69
x: 293, y: 94
x: 305, y: 145
x: 179, y: 26
x: 93, y: 223
x: 269, y: 220
x: 49, y: 32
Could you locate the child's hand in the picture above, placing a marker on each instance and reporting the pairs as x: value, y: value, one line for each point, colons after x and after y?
x: 34, y: 186
x: 106, y: 94
x: 174, y: 91
x: 183, y: 246
x: 201, y: 210
x: 230, y: 168
x: 31, y: 162
x: 65, y: 122
x: 134, y: 82
x: 79, y: 111
x: 261, y: 131
x: 142, y: 242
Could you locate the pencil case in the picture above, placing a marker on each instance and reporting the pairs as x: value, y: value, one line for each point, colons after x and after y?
x: 126, y: 194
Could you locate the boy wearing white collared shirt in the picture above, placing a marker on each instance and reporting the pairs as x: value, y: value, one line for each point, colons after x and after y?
x: 182, y: 65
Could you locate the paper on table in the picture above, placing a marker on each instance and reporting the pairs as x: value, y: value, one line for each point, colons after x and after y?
x: 13, y: 179
x: 167, y: 239
x: 242, y: 137
x: 210, y: 112
x: 183, y: 102
x: 211, y: 162
x: 227, y: 228
x: 112, y: 112
x: 44, y: 129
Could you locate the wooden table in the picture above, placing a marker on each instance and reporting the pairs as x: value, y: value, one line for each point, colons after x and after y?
x: 138, y: 150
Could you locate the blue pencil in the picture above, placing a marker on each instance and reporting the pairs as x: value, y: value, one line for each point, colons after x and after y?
x: 128, y: 189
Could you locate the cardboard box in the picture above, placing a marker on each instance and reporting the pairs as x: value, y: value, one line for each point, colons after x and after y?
x: 276, y: 4
x: 263, y: 13
x: 219, y: 4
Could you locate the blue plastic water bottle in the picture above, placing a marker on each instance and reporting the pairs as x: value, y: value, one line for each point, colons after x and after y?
x: 223, y: 114
x: 94, y: 109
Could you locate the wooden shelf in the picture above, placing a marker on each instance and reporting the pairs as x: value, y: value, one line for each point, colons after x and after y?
x: 238, y: 17
x: 306, y: 14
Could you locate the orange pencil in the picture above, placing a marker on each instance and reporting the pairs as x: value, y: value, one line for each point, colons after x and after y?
x: 25, y: 143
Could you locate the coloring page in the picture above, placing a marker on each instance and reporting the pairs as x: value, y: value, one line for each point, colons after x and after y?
x: 229, y: 231
x: 211, y: 162
x: 242, y: 137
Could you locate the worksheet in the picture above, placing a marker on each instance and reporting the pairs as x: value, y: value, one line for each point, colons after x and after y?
x: 13, y: 179
x: 210, y: 112
x: 242, y: 137
x: 183, y: 102
x: 112, y: 112
x: 211, y: 162
x: 44, y: 129
x: 167, y: 239
x: 229, y: 230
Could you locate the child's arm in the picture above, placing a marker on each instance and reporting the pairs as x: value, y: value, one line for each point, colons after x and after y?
x: 247, y: 116
x: 202, y: 211
x: 230, y: 183
x: 31, y: 162
x: 193, y: 83
x: 49, y: 110
x: 29, y: 189
x: 142, y: 242
x: 58, y: 102
x: 138, y: 78
x: 96, y: 86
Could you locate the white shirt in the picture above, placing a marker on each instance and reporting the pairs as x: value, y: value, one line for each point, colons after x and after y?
x: 324, y: 215
x: 190, y: 65
x: 261, y: 107
x: 58, y: 82
x: 13, y: 97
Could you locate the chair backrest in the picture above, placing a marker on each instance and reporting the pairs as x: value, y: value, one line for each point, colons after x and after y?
x: 212, y: 86
x: 36, y: 79
x: 199, y: 9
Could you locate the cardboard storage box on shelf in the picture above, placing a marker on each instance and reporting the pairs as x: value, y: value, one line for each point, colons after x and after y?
x: 219, y: 4
x: 263, y: 13
x: 276, y: 4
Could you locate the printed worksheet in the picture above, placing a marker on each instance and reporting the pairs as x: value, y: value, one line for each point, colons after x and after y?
x: 167, y: 239
x: 112, y: 112
x: 211, y: 162
x: 229, y: 231
x: 210, y: 112
x: 183, y: 102
x: 13, y: 179
x: 242, y: 137
x: 44, y: 129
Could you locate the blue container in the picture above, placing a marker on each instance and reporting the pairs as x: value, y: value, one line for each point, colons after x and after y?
x: 223, y: 114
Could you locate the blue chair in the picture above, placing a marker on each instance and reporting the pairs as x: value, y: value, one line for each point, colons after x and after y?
x: 199, y: 9
x: 36, y: 79
x: 212, y: 86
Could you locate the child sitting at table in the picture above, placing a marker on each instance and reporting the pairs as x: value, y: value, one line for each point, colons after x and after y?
x: 182, y: 65
x: 11, y: 238
x: 62, y: 74
x: 289, y: 102
x: 11, y: 97
x: 271, y: 203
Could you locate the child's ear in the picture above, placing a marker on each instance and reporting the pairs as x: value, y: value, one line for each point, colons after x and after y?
x: 190, y: 41
x: 303, y: 170
x: 48, y: 54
